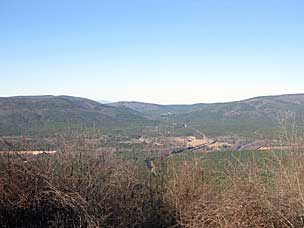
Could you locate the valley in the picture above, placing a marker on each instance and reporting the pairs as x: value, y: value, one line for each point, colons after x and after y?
x: 67, y: 159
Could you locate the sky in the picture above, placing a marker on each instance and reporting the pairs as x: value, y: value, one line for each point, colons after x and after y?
x: 160, y: 51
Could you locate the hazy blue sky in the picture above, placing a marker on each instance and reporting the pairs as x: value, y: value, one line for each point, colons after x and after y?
x: 165, y: 51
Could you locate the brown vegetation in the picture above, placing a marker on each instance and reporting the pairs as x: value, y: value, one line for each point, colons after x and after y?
x: 79, y: 188
x: 247, y: 198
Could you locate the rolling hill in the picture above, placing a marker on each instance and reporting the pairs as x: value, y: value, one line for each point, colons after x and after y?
x: 28, y: 114
x: 252, y: 117
x: 156, y: 110
x: 258, y: 116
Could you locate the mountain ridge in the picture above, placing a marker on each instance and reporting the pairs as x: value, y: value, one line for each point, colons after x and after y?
x: 251, y: 117
x: 22, y: 114
x: 145, y: 107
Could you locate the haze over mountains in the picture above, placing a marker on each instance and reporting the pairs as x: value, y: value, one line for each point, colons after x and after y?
x: 26, y: 114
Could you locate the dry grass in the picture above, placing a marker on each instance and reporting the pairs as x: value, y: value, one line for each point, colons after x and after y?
x: 249, y: 195
x: 79, y: 188
x: 73, y: 189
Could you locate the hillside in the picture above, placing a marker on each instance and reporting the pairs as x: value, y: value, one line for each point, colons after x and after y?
x: 157, y: 110
x: 26, y: 114
x: 258, y: 116
x: 279, y: 102
x: 255, y: 117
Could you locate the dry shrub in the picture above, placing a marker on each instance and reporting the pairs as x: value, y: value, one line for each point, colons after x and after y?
x: 289, y: 186
x: 248, y: 199
x: 189, y: 194
x: 245, y: 205
x: 28, y: 199
x: 75, y: 190
x: 85, y: 189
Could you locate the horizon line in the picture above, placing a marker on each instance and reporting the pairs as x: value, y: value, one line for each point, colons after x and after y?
x: 105, y: 101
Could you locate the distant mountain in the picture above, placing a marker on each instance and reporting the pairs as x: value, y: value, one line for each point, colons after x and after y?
x: 293, y: 102
x: 24, y: 114
x: 255, y: 117
x: 156, y: 110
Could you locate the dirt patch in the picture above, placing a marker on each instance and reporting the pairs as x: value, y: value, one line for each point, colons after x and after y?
x: 31, y: 152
